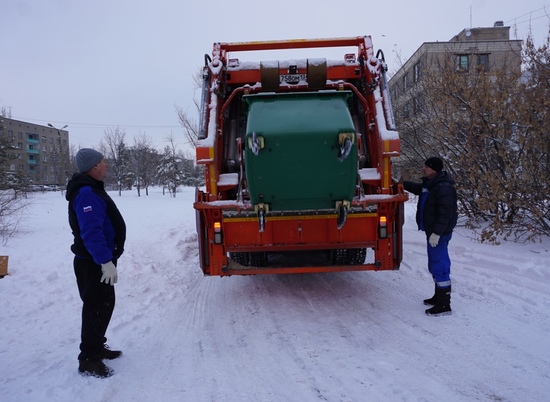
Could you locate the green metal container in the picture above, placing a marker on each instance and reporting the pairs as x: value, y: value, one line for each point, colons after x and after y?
x: 293, y: 150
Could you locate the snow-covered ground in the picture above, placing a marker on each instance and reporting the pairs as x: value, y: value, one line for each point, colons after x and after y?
x: 355, y: 336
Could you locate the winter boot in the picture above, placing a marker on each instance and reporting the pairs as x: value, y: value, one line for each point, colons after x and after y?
x: 107, y: 353
x: 431, y: 300
x: 94, y: 368
x: 442, y: 304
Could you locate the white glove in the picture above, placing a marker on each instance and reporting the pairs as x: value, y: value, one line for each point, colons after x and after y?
x: 434, y: 240
x: 110, y: 275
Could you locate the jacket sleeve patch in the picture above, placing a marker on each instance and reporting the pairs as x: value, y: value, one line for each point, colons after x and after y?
x: 87, y: 208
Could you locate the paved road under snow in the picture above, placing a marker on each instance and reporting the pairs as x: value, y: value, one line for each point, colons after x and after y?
x: 355, y: 336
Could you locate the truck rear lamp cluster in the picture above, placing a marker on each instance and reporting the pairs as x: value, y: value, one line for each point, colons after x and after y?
x: 217, y: 232
x: 383, y: 227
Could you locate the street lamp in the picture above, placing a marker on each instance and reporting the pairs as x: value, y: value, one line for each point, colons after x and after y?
x: 58, y: 129
x: 58, y: 152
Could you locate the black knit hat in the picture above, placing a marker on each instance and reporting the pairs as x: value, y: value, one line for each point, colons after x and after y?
x: 87, y: 158
x: 434, y: 164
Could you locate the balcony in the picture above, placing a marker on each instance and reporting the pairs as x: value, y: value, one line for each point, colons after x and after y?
x: 33, y: 151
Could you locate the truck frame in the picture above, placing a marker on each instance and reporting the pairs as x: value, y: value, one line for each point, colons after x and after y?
x: 297, y: 162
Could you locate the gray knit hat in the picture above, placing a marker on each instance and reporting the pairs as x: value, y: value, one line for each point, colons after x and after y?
x: 87, y: 158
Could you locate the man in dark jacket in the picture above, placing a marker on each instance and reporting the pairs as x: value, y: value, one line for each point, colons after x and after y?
x: 99, y: 234
x: 436, y: 215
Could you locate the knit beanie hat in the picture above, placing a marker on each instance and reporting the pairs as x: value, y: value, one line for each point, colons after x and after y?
x: 434, y: 164
x: 87, y: 158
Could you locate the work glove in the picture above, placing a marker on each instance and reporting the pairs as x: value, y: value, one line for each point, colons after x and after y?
x: 434, y: 239
x: 110, y: 275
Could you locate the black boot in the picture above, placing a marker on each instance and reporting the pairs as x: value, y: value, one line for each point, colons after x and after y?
x: 94, y: 368
x: 109, y: 354
x: 442, y: 302
x: 431, y: 300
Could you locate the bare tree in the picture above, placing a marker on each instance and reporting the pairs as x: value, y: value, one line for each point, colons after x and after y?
x: 5, y: 112
x: 12, y: 186
x: 117, y: 154
x: 12, y: 209
x: 190, y: 124
x: 492, y: 129
x: 170, y: 169
x: 143, y: 162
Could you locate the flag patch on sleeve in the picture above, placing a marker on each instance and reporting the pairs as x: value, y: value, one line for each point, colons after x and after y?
x: 88, y: 208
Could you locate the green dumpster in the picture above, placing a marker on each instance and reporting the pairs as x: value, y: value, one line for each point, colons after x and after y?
x: 300, y: 150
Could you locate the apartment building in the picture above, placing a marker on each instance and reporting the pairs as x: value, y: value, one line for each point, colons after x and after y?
x: 485, y: 48
x: 41, y: 153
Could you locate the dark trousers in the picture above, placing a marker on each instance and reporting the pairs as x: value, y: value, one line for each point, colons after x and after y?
x: 98, y: 301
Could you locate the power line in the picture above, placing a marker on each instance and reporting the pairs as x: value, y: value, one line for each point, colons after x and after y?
x: 98, y: 125
x: 530, y: 13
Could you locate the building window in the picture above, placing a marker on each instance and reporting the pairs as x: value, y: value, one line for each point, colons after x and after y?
x: 418, y: 103
x: 405, y: 83
x: 406, y: 110
x: 462, y: 62
x: 483, y: 61
x: 396, y: 91
x: 416, y: 72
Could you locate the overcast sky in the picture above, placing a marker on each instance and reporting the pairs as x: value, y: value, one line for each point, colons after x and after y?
x: 100, y: 64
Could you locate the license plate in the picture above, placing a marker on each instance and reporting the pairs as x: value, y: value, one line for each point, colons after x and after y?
x: 292, y: 78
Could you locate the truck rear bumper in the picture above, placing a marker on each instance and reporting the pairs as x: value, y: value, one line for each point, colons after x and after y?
x: 238, y: 230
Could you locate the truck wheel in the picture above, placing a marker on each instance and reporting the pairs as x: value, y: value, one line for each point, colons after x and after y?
x: 356, y: 256
x: 339, y: 256
x: 239, y: 258
x: 258, y: 259
x: 348, y: 256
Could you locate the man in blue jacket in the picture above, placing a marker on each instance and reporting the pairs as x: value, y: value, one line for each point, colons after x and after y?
x: 436, y: 215
x: 99, y: 234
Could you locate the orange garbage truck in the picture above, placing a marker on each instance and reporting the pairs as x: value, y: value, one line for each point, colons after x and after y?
x: 297, y: 155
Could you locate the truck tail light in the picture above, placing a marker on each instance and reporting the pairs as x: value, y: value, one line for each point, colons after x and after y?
x: 217, y: 232
x: 383, y: 227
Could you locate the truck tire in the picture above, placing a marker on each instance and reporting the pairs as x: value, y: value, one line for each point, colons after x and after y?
x: 348, y: 256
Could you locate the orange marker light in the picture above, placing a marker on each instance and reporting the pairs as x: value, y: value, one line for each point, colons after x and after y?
x: 217, y: 232
x: 383, y: 227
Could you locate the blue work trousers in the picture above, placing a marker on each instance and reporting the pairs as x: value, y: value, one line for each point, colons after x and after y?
x: 439, y: 263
